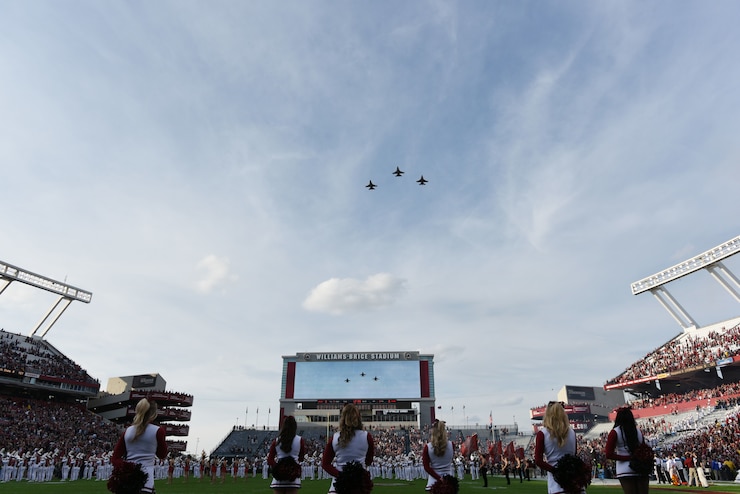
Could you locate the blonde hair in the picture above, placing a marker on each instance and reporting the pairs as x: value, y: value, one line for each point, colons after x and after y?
x: 349, y: 422
x: 556, y: 422
x: 439, y: 438
x: 146, y: 411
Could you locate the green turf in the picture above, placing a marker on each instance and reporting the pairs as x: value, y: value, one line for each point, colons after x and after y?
x: 258, y: 485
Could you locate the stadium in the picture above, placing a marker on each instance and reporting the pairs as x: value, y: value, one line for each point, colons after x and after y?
x: 39, y: 385
x: 685, y: 395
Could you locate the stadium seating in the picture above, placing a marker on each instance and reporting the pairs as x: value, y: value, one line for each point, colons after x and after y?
x: 698, y: 347
x: 64, y: 428
x: 26, y: 355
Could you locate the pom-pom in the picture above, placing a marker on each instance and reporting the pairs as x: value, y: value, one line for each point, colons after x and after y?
x: 286, y: 469
x: 572, y: 473
x: 446, y: 485
x: 353, y: 479
x: 643, y: 460
x: 127, y: 478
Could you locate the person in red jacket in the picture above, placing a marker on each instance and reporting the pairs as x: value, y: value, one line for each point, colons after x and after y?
x: 141, y: 442
x: 351, y: 443
x: 288, y: 445
x: 437, y: 455
x: 555, y: 439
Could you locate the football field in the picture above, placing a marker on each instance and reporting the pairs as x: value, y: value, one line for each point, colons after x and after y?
x: 496, y: 485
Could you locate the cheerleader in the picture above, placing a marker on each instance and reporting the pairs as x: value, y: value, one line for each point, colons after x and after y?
x: 350, y: 444
x: 437, y: 455
x: 555, y: 439
x: 288, y: 445
x: 621, y: 443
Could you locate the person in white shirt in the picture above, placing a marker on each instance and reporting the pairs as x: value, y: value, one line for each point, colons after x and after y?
x: 288, y: 445
x: 350, y: 444
x: 437, y: 455
x: 142, y: 442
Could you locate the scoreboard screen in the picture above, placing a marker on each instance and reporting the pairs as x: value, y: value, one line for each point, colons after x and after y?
x: 357, y: 379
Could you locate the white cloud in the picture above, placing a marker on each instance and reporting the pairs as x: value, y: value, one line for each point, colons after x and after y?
x: 215, y: 273
x: 513, y: 400
x: 341, y: 295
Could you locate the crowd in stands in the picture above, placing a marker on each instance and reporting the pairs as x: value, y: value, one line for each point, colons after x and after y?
x: 67, y: 428
x: 388, y: 442
x: 724, y: 390
x: 392, y: 443
x: 656, y: 429
x: 716, y: 446
x: 717, y: 442
x: 61, y: 435
x: 684, y: 351
x: 20, y: 354
x: 255, y: 445
x: 66, y: 435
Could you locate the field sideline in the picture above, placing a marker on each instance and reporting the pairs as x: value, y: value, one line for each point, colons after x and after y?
x: 261, y: 486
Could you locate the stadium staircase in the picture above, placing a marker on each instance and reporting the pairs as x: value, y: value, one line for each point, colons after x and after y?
x: 685, y: 426
x: 597, y: 430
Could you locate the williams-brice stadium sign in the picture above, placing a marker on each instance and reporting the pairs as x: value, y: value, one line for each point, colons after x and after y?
x: 319, y: 357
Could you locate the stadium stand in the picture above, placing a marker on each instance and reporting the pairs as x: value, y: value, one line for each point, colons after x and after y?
x: 244, y: 443
x: 43, y: 418
x: 30, y: 424
x: 685, y: 394
x: 686, y: 397
x: 121, y: 407
x: 690, y: 352
x: 31, y: 362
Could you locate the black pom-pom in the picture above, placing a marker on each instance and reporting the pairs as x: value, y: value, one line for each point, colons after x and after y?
x: 643, y: 460
x: 572, y: 473
x: 286, y: 469
x: 446, y: 485
x: 127, y: 478
x: 353, y: 479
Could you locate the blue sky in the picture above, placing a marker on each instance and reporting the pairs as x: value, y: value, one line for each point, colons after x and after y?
x: 200, y: 167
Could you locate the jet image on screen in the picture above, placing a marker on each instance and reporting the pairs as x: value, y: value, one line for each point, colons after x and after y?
x: 357, y: 380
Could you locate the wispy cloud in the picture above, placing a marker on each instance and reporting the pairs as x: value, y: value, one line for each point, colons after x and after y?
x: 215, y: 273
x: 340, y: 295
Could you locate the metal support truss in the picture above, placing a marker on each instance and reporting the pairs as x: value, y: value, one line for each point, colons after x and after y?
x: 710, y: 260
x: 67, y: 293
x: 674, y: 308
x: 725, y: 278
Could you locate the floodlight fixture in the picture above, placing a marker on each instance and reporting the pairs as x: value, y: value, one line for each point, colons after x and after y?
x: 67, y: 293
x: 703, y: 260
x: 14, y: 273
x: 710, y: 260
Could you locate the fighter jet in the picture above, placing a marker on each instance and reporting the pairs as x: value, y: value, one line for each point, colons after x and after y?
x: 371, y: 185
x: 422, y: 180
x: 346, y: 380
x: 398, y: 172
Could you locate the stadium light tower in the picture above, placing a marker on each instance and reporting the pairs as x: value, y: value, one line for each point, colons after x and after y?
x: 710, y: 260
x: 67, y: 293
